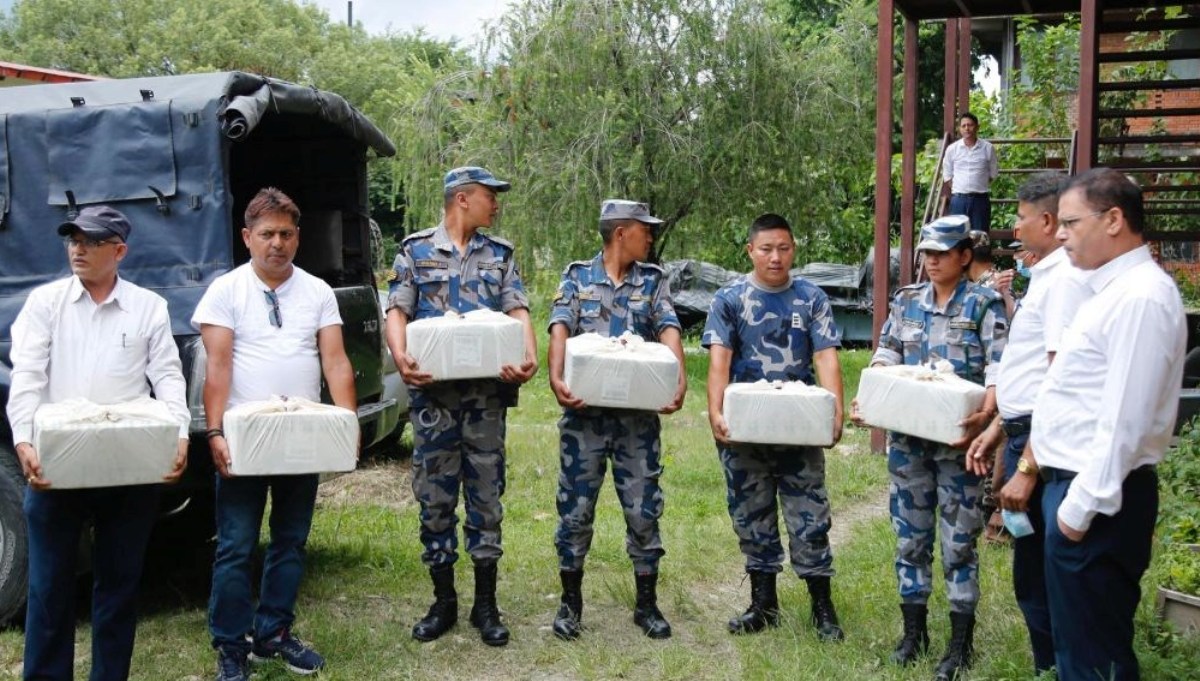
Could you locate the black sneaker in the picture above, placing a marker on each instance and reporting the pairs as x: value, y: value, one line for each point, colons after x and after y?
x: 299, y: 657
x: 232, y: 665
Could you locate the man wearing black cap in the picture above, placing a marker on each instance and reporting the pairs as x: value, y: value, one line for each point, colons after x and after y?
x: 96, y: 336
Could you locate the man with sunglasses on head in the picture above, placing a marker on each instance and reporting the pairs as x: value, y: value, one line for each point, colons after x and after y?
x: 96, y: 336
x: 269, y: 328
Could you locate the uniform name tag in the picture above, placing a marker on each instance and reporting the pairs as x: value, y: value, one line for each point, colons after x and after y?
x: 436, y: 264
x: 491, y: 265
x: 588, y: 295
x: 963, y: 324
x: 913, y: 322
x: 637, y: 298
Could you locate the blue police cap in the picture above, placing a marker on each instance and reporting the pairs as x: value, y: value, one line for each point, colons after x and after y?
x: 620, y: 209
x: 944, y: 233
x: 474, y: 175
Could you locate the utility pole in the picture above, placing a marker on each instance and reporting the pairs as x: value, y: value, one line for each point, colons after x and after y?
x: 350, y: 13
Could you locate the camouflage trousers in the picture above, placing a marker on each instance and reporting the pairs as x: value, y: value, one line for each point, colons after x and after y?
x: 928, y: 479
x: 587, y: 440
x: 761, y: 478
x: 455, y: 448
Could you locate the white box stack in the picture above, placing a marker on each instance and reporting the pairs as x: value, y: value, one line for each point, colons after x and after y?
x: 290, y: 436
x: 83, y: 444
x: 919, y: 401
x: 779, y: 413
x: 625, y: 372
x: 471, y: 345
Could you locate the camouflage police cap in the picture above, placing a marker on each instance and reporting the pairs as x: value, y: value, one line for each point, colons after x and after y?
x: 620, y: 209
x: 474, y: 175
x: 944, y: 233
x: 980, y: 239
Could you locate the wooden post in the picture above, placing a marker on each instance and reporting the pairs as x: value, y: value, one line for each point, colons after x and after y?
x: 949, y: 99
x: 1089, y: 47
x: 908, y: 150
x: 964, y: 66
x: 883, y: 174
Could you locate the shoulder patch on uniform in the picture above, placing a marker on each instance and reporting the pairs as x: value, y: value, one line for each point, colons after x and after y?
x: 435, y: 264
x: 966, y: 324
x: 417, y: 235
x: 503, y: 242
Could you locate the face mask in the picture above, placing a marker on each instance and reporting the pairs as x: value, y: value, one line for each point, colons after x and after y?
x: 1022, y: 270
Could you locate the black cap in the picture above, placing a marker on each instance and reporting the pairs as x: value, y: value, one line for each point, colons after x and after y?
x: 98, y: 222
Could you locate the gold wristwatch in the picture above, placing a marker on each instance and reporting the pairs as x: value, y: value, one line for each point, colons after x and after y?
x: 1023, y: 466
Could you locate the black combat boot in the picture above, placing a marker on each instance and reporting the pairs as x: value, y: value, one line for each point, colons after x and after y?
x: 444, y: 612
x: 916, y: 634
x: 485, y: 616
x: 568, y: 621
x: 961, y: 648
x: 764, y: 606
x: 824, y: 617
x: 646, y: 613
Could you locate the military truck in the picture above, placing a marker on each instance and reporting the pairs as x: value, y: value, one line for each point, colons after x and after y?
x: 181, y: 156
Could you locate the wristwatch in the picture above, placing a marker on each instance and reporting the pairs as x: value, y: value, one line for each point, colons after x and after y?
x: 1023, y: 466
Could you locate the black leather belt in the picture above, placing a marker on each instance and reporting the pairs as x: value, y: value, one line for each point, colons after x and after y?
x: 971, y: 194
x: 1017, y: 426
x: 1059, y: 475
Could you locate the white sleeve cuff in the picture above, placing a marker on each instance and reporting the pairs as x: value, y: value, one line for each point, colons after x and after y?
x: 886, y: 357
x: 1074, y: 513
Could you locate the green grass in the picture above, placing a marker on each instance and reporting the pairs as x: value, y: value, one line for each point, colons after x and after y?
x: 366, y: 587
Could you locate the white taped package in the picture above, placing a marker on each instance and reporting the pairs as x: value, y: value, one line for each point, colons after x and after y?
x: 290, y: 436
x: 917, y: 400
x: 83, y: 444
x: 471, y: 345
x: 623, y: 372
x: 779, y: 413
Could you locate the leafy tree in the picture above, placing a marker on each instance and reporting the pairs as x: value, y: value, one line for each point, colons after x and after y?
x: 702, y: 108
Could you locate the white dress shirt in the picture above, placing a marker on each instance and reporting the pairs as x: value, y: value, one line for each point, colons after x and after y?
x: 1056, y: 290
x: 65, y: 346
x: 1108, y: 404
x: 267, y: 359
x: 970, y: 169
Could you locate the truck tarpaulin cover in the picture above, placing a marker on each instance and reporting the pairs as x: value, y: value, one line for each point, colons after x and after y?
x: 157, y: 150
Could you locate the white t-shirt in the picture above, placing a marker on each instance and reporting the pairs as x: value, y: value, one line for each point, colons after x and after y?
x: 267, y: 359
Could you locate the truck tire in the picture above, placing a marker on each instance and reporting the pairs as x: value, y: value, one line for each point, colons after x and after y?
x: 14, y: 557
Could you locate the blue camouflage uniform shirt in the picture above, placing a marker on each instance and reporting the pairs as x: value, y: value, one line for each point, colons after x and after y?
x: 588, y: 302
x: 970, y: 331
x: 430, y: 276
x: 772, y: 333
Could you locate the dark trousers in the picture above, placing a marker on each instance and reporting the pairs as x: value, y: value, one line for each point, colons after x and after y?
x: 1029, y: 566
x: 1093, y: 584
x: 240, y: 505
x: 977, y: 207
x: 122, y: 518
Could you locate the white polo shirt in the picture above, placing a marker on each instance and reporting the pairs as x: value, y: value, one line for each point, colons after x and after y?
x: 1108, y: 404
x: 1056, y: 290
x: 267, y: 359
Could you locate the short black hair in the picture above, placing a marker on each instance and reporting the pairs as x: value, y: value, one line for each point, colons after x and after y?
x: 1105, y: 188
x: 969, y: 115
x: 607, y: 227
x: 768, y: 221
x: 1042, y: 190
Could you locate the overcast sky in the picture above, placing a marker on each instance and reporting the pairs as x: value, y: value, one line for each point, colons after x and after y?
x: 445, y: 19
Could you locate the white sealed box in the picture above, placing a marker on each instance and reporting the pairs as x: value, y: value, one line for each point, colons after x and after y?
x: 919, y: 401
x: 471, y: 345
x: 83, y: 444
x: 625, y: 372
x: 290, y: 436
x: 779, y: 413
